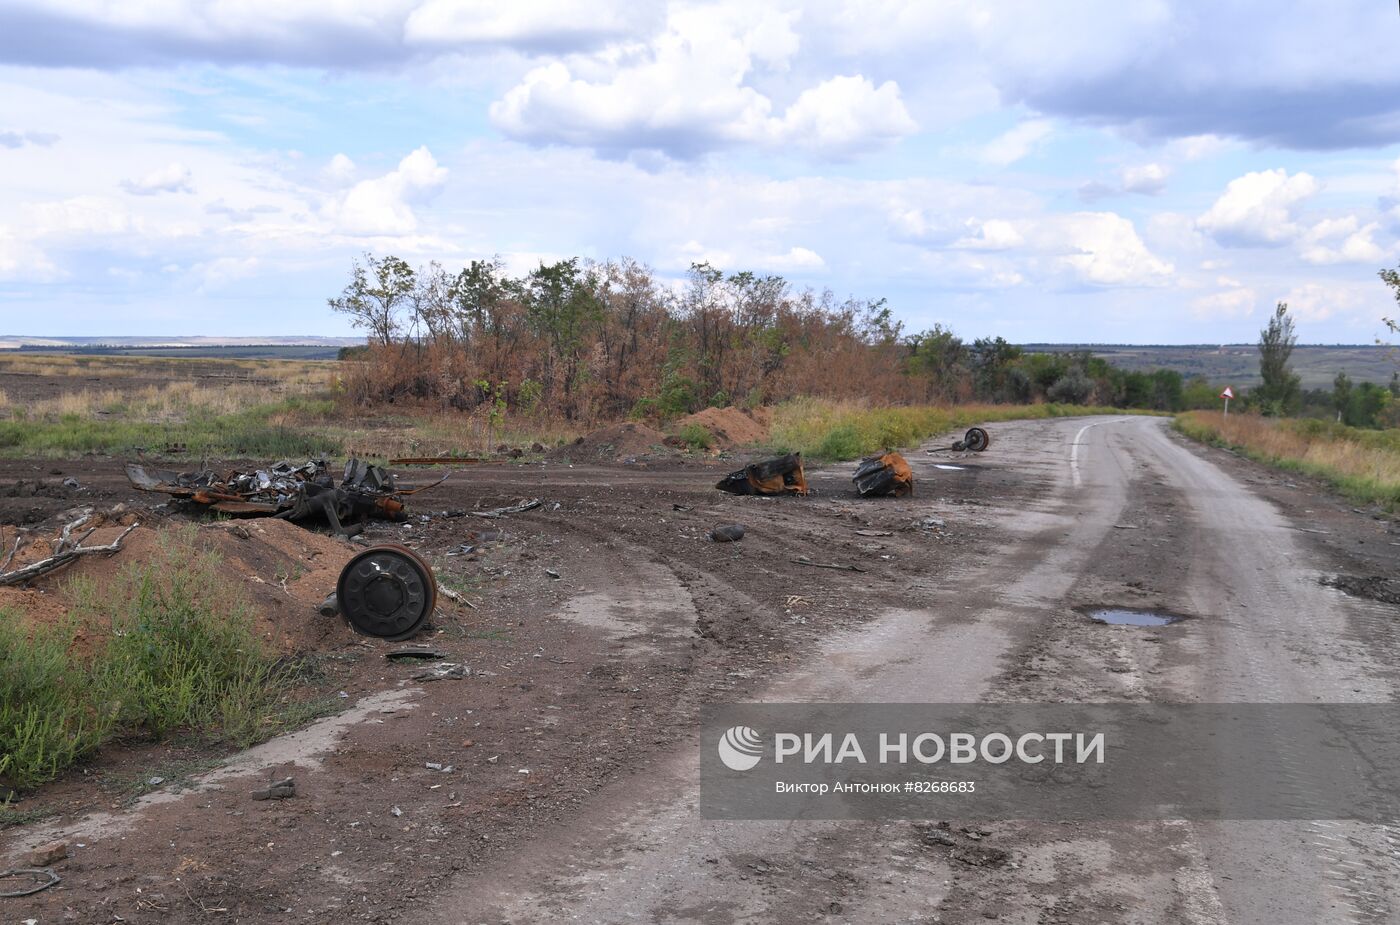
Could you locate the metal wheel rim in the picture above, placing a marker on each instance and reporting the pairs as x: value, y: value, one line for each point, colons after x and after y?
x: 387, y: 592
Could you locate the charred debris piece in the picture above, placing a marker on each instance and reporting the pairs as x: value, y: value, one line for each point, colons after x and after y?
x: 780, y: 476
x: 305, y: 492
x: 976, y: 440
x: 883, y: 476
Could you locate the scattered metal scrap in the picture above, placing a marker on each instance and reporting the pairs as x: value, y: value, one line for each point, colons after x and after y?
x: 287, y: 492
x: 879, y: 476
x: 32, y: 873
x: 780, y: 476
x: 518, y: 508
x: 64, y: 552
x: 974, y: 441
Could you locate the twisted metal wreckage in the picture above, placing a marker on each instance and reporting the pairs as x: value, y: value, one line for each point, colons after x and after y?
x: 287, y: 492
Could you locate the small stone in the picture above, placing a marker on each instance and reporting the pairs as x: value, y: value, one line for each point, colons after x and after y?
x: 48, y: 854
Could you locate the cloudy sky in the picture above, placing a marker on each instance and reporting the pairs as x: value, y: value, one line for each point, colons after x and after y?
x: 1046, y: 170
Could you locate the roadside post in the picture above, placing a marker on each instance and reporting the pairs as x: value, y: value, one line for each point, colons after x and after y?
x: 1228, y: 394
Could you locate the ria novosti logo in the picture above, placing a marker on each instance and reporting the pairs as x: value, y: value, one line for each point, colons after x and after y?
x: 740, y: 748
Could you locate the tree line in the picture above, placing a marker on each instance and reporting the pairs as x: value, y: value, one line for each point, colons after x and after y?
x: 595, y: 341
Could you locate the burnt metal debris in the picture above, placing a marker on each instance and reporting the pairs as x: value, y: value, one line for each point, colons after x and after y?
x: 885, y: 475
x: 285, y: 491
x: 387, y: 591
x: 974, y: 441
x: 779, y: 476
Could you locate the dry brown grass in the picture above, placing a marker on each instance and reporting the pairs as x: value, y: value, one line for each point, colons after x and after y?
x: 63, y: 365
x: 1363, y: 464
x: 175, y: 402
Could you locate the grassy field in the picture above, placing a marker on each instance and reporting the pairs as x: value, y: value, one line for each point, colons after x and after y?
x: 54, y: 405
x: 165, y: 648
x: 829, y: 430
x: 1362, y: 464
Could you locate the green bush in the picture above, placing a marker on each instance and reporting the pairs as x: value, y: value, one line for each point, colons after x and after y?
x: 696, y: 437
x: 50, y: 713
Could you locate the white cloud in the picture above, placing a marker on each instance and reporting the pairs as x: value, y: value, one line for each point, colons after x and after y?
x: 1107, y: 250
x: 526, y: 23
x: 843, y: 115
x: 20, y: 259
x: 172, y: 178
x: 1318, y: 302
x: 685, y: 93
x: 340, y: 169
x: 384, y: 205
x: 1234, y: 300
x: 1149, y: 179
x: 995, y: 235
x: 1259, y: 209
x: 1014, y: 144
x: 1341, y: 240
x: 79, y: 216
x: 1146, y: 179
x: 13, y: 139
x: 219, y: 272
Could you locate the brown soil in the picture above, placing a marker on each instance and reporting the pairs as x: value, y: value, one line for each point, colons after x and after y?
x: 615, y: 443
x: 730, y: 427
x: 282, y: 570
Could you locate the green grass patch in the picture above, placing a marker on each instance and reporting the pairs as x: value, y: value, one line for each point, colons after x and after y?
x: 1363, y: 465
x: 832, y: 430
x: 259, y: 432
x: 170, y: 649
x: 696, y: 437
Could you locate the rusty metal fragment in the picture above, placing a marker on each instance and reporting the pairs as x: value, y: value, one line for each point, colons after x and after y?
x: 282, y: 490
x: 881, y: 476
x: 780, y: 476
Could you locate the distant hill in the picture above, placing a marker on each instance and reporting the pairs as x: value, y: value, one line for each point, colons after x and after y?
x: 1238, y: 364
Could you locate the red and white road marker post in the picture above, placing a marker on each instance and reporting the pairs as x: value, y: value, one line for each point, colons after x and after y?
x: 1228, y: 394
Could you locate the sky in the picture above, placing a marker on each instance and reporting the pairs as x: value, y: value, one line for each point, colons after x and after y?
x: 1056, y: 170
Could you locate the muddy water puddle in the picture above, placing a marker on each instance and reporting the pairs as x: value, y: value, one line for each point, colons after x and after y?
x: 1121, y: 616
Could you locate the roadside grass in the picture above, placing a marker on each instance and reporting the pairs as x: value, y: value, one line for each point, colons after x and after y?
x: 165, y: 648
x: 1364, y: 465
x: 827, y: 430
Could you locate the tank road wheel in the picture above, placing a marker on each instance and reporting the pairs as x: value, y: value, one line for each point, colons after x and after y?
x: 976, y: 440
x: 387, y: 591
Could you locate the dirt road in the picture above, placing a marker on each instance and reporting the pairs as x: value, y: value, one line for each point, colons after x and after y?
x: 570, y: 787
x: 1127, y: 515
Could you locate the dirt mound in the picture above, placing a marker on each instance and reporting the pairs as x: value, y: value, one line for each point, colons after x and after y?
x: 617, y: 441
x: 730, y: 427
x: 282, y: 570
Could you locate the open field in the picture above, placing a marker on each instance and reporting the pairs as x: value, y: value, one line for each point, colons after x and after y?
x: 1362, y: 464
x: 1238, y: 364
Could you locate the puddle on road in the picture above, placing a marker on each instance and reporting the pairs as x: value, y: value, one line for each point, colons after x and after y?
x: 1118, y: 616
x: 947, y: 466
